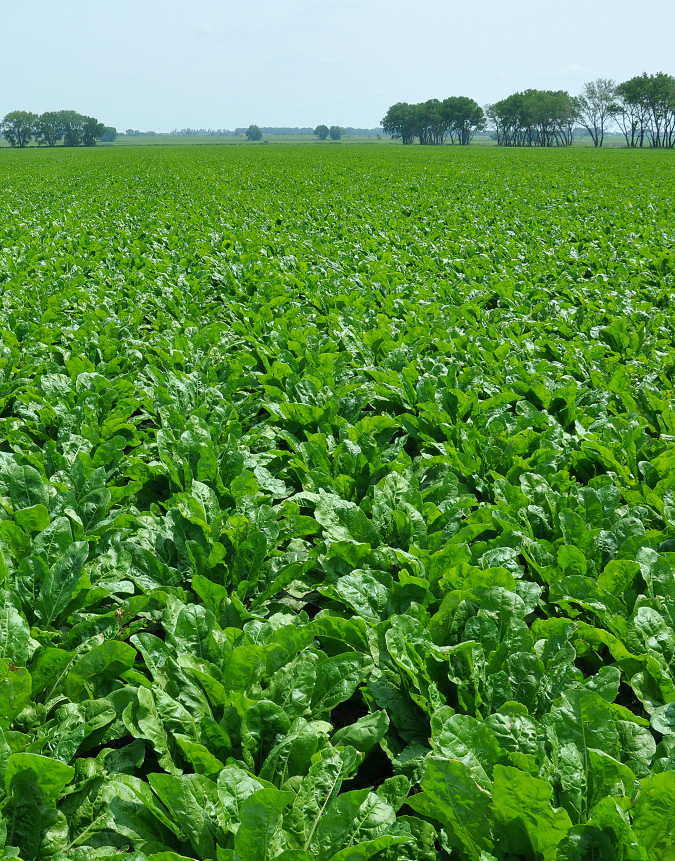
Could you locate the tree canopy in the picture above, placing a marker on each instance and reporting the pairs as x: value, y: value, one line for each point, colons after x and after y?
x: 457, y: 118
x: 253, y: 133
x: 322, y: 132
x: 646, y: 110
x: 20, y: 127
x: 643, y: 109
x: 534, y: 118
x: 597, y: 106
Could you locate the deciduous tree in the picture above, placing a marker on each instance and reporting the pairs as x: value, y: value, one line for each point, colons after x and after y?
x: 399, y: 122
x: 322, y: 132
x: 597, y: 106
x: 92, y: 130
x: 18, y: 127
x: 48, y: 128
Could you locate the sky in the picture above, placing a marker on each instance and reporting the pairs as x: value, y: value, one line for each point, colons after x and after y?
x: 165, y: 64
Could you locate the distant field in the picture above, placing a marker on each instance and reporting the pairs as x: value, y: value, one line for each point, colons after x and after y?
x: 337, y: 504
x: 182, y: 140
x: 611, y: 141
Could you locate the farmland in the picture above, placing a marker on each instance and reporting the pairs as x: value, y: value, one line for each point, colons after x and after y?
x: 337, y: 515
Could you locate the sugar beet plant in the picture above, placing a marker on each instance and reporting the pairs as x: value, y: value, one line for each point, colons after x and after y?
x: 336, y: 505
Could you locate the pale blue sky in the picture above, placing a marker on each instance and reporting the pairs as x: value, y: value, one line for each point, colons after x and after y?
x: 162, y: 64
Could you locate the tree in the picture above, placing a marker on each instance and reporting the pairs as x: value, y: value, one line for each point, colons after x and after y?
x: 335, y: 133
x: 48, y: 129
x: 92, y: 130
x: 400, y: 122
x: 463, y: 117
x: 18, y: 127
x: 597, y: 106
x: 647, y: 110
x: 71, y: 123
x: 322, y: 132
x: 253, y: 133
x: 109, y: 134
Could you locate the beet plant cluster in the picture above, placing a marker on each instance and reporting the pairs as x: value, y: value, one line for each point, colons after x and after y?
x: 337, y: 513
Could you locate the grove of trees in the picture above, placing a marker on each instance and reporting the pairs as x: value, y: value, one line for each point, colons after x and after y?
x: 48, y: 129
x: 534, y: 118
x: 642, y: 109
x: 456, y: 119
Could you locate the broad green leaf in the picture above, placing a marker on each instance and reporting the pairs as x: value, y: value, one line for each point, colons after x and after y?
x: 654, y: 816
x: 190, y: 799
x: 234, y: 787
x: 15, y: 691
x: 26, y: 488
x: 525, y: 821
x: 317, y: 790
x: 51, y: 776
x: 336, y: 680
x: 259, y: 835
x: 352, y: 818
x: 61, y: 583
x: 364, y: 734
x: 451, y: 796
x: 14, y: 631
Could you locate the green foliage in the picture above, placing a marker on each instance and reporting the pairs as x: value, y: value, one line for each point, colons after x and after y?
x: 18, y: 127
x: 253, y: 133
x: 457, y: 118
x: 336, y: 532
x: 535, y: 118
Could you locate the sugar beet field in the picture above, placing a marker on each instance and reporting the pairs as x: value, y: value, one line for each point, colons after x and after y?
x: 337, y: 513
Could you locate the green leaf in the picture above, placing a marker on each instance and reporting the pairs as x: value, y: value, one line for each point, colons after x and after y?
x: 259, y: 835
x: 364, y: 734
x: 586, y: 842
x: 14, y: 631
x: 525, y: 821
x: 344, y: 521
x: 336, y: 680
x: 15, y: 691
x: 23, y: 817
x: 463, y: 738
x: 51, y: 775
x: 317, y: 790
x: 369, y: 848
x: 654, y: 816
x: 92, y: 673
x: 26, y: 488
x: 451, y: 795
x: 190, y: 799
x: 61, y: 583
x: 663, y: 719
x: 33, y: 519
x: 352, y: 818
x: 608, y: 777
x: 234, y: 787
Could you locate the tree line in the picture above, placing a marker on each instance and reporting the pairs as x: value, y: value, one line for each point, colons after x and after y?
x: 642, y: 108
x: 19, y: 128
x: 457, y: 118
